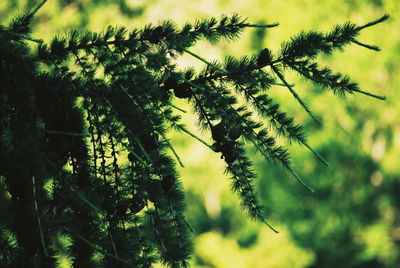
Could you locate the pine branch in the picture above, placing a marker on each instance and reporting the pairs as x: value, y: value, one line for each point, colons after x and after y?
x: 98, y: 108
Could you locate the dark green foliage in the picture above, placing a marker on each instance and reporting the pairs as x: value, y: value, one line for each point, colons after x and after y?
x: 84, y: 123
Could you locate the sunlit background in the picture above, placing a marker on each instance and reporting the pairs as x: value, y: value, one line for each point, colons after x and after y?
x: 353, y: 219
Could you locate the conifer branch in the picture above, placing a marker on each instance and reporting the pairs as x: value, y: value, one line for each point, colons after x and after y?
x: 243, y: 186
x: 91, y: 100
x: 337, y: 82
x: 278, y: 120
x: 265, y: 144
x: 297, y: 135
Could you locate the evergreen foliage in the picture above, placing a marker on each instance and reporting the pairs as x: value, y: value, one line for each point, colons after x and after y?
x: 85, y: 155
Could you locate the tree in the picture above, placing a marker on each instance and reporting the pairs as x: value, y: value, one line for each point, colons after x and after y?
x: 84, y: 122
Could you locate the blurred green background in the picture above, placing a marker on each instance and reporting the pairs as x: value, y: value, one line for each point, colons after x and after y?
x: 353, y: 220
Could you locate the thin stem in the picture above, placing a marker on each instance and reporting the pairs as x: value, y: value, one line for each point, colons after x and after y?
x: 174, y: 152
x: 299, y: 179
x: 75, y: 134
x: 261, y: 25
x: 194, y: 136
x: 381, y: 19
x: 366, y: 45
x: 38, y: 218
x: 99, y: 249
x: 23, y: 36
x: 177, y: 108
x: 315, y: 153
x: 294, y: 93
x: 370, y: 94
x: 38, y: 7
